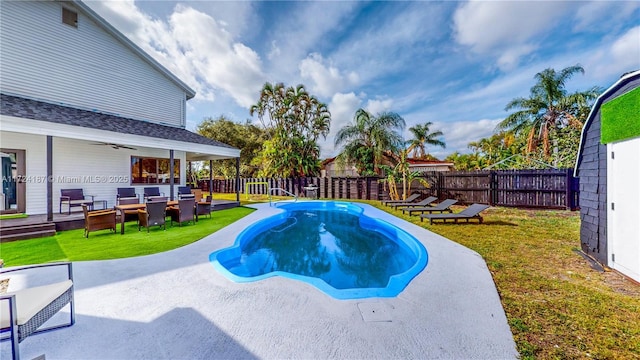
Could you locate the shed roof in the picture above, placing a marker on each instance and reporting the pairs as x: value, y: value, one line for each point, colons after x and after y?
x: 624, y: 80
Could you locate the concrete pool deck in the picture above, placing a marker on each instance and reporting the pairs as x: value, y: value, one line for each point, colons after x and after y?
x: 175, y: 305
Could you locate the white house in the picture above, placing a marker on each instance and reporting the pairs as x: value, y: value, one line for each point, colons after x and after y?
x: 608, y: 165
x: 84, y: 107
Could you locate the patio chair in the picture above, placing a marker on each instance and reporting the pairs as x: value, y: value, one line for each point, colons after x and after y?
x: 154, y: 213
x: 411, y: 198
x: 98, y: 220
x: 470, y: 213
x: 421, y: 203
x: 23, y: 312
x: 129, y: 215
x: 126, y: 193
x: 444, y: 206
x: 151, y: 192
x: 74, y: 197
x: 185, y: 211
x: 184, y: 192
x: 203, y: 207
x: 197, y: 194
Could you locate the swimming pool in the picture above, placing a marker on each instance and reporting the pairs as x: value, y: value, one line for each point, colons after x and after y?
x: 334, y: 246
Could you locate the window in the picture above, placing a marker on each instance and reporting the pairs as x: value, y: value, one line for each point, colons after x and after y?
x: 69, y: 17
x: 153, y: 170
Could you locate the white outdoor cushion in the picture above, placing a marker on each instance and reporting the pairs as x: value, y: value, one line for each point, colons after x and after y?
x: 31, y: 300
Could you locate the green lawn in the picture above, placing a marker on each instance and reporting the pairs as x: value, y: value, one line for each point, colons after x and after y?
x: 72, y: 246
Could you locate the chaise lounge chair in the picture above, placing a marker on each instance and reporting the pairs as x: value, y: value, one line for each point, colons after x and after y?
x: 410, y: 199
x: 421, y: 203
x: 471, y: 212
x: 444, y: 206
x: 23, y: 312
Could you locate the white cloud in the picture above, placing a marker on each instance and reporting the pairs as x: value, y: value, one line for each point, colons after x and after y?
x: 618, y: 57
x: 458, y: 134
x: 326, y: 79
x: 377, y: 106
x: 195, y: 47
x: 342, y: 108
x: 508, y: 29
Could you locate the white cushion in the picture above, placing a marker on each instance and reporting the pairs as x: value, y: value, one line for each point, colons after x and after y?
x: 30, y: 301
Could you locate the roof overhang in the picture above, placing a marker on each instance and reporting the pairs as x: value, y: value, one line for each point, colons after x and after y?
x: 194, y: 151
x: 596, y: 107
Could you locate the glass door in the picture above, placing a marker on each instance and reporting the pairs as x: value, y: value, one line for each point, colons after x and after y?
x: 12, y: 197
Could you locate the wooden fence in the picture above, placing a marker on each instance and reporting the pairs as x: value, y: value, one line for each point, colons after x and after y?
x: 549, y: 189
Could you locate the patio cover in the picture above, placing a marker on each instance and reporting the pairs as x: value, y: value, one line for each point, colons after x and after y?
x: 68, y: 122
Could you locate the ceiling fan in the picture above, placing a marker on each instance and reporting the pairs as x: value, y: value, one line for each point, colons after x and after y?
x: 115, y: 146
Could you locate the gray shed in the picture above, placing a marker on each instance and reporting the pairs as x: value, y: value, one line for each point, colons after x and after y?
x: 608, y: 165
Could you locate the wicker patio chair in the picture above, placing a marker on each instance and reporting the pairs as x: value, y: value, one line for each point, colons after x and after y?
x: 155, y: 213
x: 153, y: 191
x: 126, y: 193
x: 129, y: 215
x: 184, y: 192
x: 203, y: 207
x: 74, y: 197
x: 23, y: 312
x: 98, y: 220
x: 185, y: 211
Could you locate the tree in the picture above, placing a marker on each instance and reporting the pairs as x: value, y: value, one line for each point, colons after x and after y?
x: 244, y: 136
x: 422, y: 136
x: 368, y: 137
x: 293, y: 120
x: 548, y: 107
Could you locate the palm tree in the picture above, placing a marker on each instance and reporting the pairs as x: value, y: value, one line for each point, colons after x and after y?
x: 368, y: 138
x: 422, y: 136
x: 549, y: 106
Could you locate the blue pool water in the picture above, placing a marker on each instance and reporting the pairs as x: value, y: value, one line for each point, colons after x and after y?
x: 331, y: 245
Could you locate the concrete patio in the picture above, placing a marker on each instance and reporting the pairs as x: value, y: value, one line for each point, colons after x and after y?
x: 175, y: 305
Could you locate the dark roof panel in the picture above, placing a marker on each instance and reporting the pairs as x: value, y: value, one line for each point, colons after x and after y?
x: 37, y: 110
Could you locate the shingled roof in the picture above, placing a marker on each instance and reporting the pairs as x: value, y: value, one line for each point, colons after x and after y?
x: 37, y: 110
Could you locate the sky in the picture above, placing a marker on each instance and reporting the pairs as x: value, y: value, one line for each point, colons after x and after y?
x: 453, y: 63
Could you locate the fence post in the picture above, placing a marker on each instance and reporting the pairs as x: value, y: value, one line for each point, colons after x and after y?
x: 493, y: 188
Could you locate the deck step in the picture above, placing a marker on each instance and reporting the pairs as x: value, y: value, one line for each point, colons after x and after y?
x: 26, y: 231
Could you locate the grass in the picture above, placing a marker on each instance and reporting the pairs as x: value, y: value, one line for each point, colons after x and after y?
x: 13, y: 216
x: 558, y: 305
x: 101, y: 245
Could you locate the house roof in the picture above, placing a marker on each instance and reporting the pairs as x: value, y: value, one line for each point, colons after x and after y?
x: 101, y: 22
x: 37, y: 110
x: 623, y: 81
x: 419, y: 162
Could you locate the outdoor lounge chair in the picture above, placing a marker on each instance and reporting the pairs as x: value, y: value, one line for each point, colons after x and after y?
x: 185, y: 211
x: 184, y: 192
x: 74, y: 197
x: 421, y: 203
x: 203, y: 207
x: 471, y: 212
x: 129, y: 215
x: 411, y: 198
x: 98, y: 220
x: 154, y: 213
x: 23, y: 312
x: 151, y: 192
x: 441, y: 207
x: 126, y: 193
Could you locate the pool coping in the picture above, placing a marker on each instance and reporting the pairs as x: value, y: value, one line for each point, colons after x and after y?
x: 176, y: 305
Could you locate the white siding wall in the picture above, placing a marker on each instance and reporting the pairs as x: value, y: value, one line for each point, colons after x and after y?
x: 103, y: 168
x: 99, y: 170
x: 85, y: 67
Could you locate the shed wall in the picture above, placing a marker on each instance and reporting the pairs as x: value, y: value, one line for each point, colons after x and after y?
x: 592, y: 170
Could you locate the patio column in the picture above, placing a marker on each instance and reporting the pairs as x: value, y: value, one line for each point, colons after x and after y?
x: 171, y: 177
x: 49, y: 178
x: 238, y: 179
x: 211, y: 178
